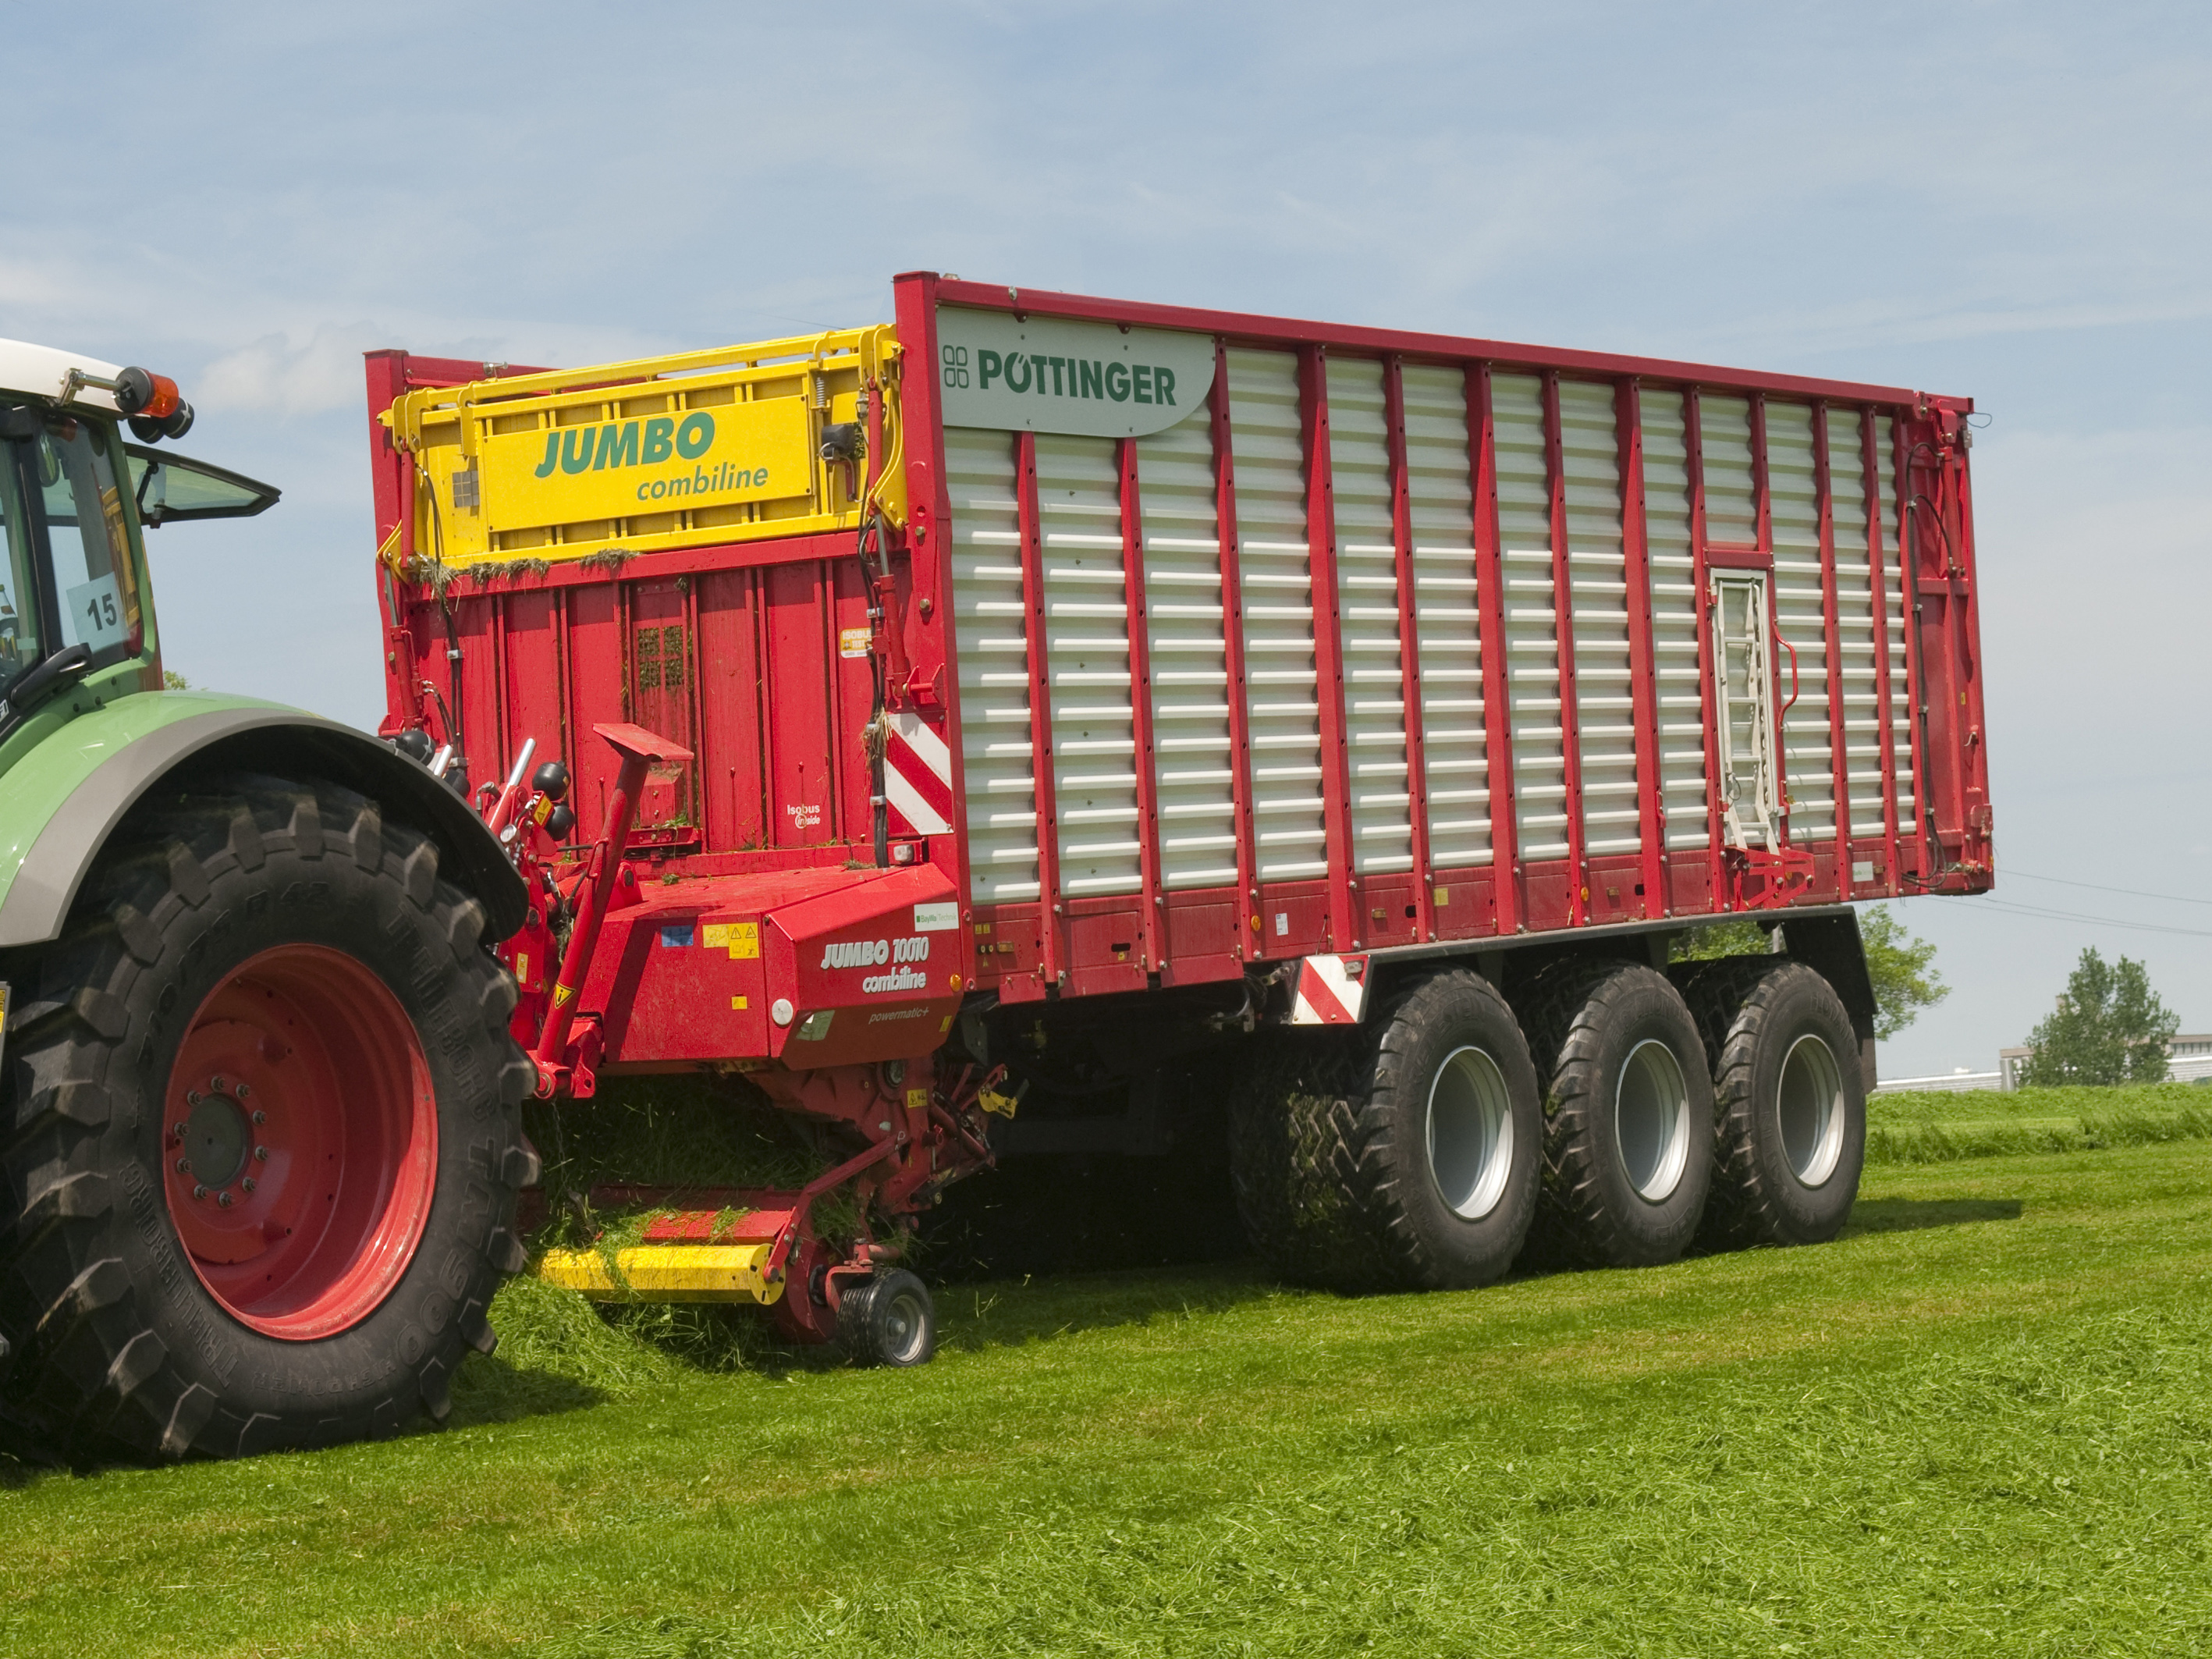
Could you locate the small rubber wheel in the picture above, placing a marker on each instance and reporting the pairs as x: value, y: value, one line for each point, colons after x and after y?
x: 888, y: 1320
x: 1407, y: 1157
x: 1790, y: 1103
x: 1628, y: 1109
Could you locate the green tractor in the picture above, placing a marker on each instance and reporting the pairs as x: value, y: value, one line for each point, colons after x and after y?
x: 262, y: 1103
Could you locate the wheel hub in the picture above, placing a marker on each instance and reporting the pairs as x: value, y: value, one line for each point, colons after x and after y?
x: 1809, y: 1105
x: 902, y: 1323
x: 302, y: 1135
x: 1651, y: 1121
x: 1470, y: 1132
x: 217, y: 1138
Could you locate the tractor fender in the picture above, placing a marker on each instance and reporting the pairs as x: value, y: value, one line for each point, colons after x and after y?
x: 105, y: 768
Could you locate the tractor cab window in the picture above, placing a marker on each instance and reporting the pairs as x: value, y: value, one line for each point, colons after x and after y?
x: 95, y: 589
x: 19, y: 601
x: 68, y: 577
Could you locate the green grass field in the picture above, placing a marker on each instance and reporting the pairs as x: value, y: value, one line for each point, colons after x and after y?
x: 1981, y: 1422
x: 1932, y: 1128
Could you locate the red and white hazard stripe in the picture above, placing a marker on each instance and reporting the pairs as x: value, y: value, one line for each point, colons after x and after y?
x: 1332, y: 990
x: 917, y: 777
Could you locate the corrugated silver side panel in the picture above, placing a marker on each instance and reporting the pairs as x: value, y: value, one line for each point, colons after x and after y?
x: 1674, y: 620
x: 1189, y: 664
x: 1367, y: 617
x: 1801, y: 619
x: 1532, y: 641
x: 1282, y: 680
x: 1448, y: 624
x: 1896, y: 619
x: 1855, y: 610
x: 1724, y: 439
x: 994, y: 693
x: 1605, y: 707
x: 1087, y: 659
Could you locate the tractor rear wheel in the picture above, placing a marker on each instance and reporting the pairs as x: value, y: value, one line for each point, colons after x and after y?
x: 267, y: 1138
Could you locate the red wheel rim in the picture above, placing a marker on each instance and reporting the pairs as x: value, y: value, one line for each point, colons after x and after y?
x: 300, y: 1142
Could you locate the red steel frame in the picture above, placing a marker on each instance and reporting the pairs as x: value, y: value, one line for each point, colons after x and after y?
x: 1916, y: 668
x: 1151, y: 930
x: 1562, y: 632
x: 1878, y: 597
x: 1248, y: 944
x: 1839, y: 770
x: 1509, y: 889
x: 1694, y: 443
x: 1053, y: 966
x: 1328, y: 648
x: 1763, y: 511
x: 1409, y: 648
x: 1643, y: 665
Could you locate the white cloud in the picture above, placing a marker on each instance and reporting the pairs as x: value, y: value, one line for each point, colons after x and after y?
x: 272, y: 376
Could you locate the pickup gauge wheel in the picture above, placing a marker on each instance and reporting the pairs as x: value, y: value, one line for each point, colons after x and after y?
x: 888, y: 1320
x: 1789, y: 1102
x: 266, y: 1134
x: 1627, y: 1113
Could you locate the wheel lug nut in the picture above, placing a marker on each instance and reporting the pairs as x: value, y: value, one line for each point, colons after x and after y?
x: 198, y: 1191
x: 184, y: 1166
x: 215, y: 1083
x: 261, y: 1154
x: 247, y: 1183
x: 243, y: 1091
x: 258, y: 1116
x: 192, y: 1097
x: 223, y: 1199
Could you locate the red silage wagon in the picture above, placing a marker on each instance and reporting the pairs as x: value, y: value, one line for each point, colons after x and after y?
x: 1047, y: 722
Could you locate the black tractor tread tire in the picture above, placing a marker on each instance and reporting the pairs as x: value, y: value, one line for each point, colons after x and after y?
x: 1737, y: 1003
x: 1585, y: 1215
x: 1330, y: 1192
x: 117, y: 1349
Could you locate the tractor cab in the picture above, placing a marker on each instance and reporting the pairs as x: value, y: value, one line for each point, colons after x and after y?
x: 75, y: 605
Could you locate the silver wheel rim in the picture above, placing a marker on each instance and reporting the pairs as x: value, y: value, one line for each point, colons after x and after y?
x: 905, y: 1327
x: 1470, y: 1133
x: 1810, y: 1104
x: 1651, y: 1119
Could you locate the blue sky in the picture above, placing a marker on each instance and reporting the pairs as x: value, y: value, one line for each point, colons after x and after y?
x: 2010, y: 201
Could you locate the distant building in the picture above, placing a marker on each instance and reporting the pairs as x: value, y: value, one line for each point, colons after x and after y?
x: 1946, y: 1083
x: 2187, y: 1060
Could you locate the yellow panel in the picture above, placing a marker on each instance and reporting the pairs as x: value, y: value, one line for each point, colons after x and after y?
x: 657, y: 462
x: 665, y: 1273
x: 651, y: 456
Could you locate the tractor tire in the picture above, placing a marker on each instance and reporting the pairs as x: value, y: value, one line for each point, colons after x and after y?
x: 1627, y: 1153
x: 888, y: 1320
x: 266, y: 1136
x: 1789, y: 1102
x: 1402, y: 1157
